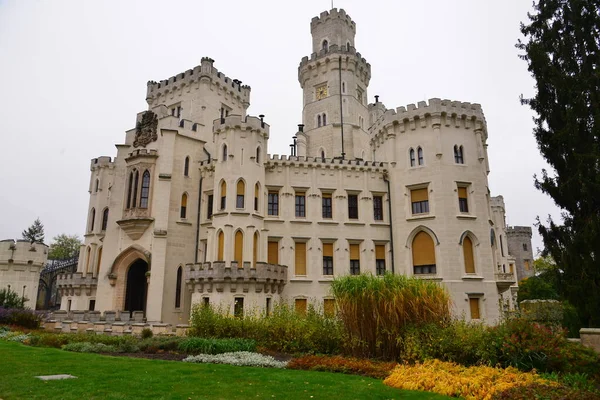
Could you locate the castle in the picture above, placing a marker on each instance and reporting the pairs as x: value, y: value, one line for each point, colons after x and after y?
x: 193, y: 208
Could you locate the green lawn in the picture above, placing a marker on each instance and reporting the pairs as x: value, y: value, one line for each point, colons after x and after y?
x: 103, y: 377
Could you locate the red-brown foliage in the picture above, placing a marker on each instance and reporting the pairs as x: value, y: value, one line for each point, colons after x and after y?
x: 346, y: 365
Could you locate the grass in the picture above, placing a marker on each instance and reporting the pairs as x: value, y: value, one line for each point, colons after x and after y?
x: 104, y: 377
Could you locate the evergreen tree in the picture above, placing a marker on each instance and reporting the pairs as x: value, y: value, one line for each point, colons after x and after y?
x: 561, y: 48
x: 35, y: 233
x: 64, y: 246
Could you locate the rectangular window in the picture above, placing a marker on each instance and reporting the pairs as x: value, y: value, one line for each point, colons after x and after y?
x: 223, y: 202
x: 380, y: 259
x: 206, y: 301
x: 273, y: 253
x: 92, y: 305
x: 273, y: 203
x: 527, y: 267
x: 300, y: 259
x: 300, y: 306
x: 300, y: 204
x: 353, y: 206
x: 327, y: 258
x: 525, y: 246
x: 239, y: 201
x: 329, y: 307
x: 419, y: 199
x: 463, y: 203
x: 424, y: 269
x: 268, y: 307
x: 69, y: 305
x: 209, y: 206
x: 378, y: 208
x: 354, y: 259
x: 474, y: 308
x: 327, y: 206
x: 238, y: 307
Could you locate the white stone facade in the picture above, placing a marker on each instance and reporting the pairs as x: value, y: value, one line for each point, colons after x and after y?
x: 20, y: 266
x: 194, y: 209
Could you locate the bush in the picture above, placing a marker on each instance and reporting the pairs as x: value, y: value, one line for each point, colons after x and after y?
x: 87, y: 347
x: 544, y: 392
x: 346, y: 365
x: 240, y: 358
x: 159, y: 344
x: 376, y: 311
x: 20, y: 317
x: 57, y: 340
x: 215, y: 346
x: 147, y: 333
x: 11, y: 299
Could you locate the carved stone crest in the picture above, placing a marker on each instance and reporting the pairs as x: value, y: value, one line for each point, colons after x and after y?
x: 145, y: 130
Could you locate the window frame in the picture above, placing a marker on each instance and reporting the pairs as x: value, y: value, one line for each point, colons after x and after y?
x: 300, y: 204
x: 273, y: 203
x: 378, y: 207
x: 353, y: 208
x: 327, y: 209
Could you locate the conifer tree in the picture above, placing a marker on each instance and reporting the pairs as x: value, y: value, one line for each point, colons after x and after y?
x: 561, y: 48
x: 35, y: 233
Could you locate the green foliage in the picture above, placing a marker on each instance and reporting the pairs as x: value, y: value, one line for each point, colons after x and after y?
x: 58, y: 340
x: 35, y: 233
x: 284, y: 330
x: 194, y: 345
x: 536, y: 288
x: 562, y: 51
x: 64, y: 246
x: 87, y: 347
x: 11, y: 299
x: 147, y: 333
x: 377, y: 311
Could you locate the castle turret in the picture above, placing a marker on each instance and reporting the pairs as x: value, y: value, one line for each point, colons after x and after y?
x: 20, y: 266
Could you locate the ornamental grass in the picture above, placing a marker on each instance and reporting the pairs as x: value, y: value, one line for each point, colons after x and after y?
x: 470, y: 383
x: 376, y: 311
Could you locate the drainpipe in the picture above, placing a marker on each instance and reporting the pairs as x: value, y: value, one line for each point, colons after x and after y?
x: 385, y: 178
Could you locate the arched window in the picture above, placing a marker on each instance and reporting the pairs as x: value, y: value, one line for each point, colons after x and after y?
x: 492, y: 237
x: 220, y: 246
x: 97, y: 184
x: 145, y: 189
x: 325, y: 45
x: 186, y: 167
x: 99, y: 261
x: 183, y: 208
x: 88, y: 257
x: 256, y: 193
x: 324, y: 119
x: 129, y: 190
x: 468, y: 255
x: 323, y: 154
x: 104, y: 219
x: 420, y: 155
x: 178, y: 288
x: 458, y: 154
x: 238, y: 251
x: 223, y: 194
x: 258, y: 154
x: 255, y: 250
x: 239, y: 200
x: 92, y: 218
x: 319, y: 120
x: 412, y: 157
x: 135, y: 186
x: 423, y: 253
x: 224, y: 152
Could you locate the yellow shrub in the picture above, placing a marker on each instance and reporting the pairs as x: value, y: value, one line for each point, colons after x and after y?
x: 471, y: 383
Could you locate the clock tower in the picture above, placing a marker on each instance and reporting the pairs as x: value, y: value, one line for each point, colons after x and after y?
x: 334, y: 80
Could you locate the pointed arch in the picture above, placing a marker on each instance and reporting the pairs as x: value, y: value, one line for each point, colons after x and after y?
x: 423, y: 253
x: 256, y: 195
x: 324, y: 119
x: 130, y: 189
x: 418, y: 229
x: 183, y: 206
x: 92, y: 220
x: 319, y: 121
x: 240, y: 191
x: 325, y: 45
x: 186, y: 166
x: 322, y: 152
x: 145, y: 192
x: 468, y: 256
x: 420, y: 155
x: 470, y: 234
x: 88, y: 260
x: 255, y: 248
x: 223, y: 189
x: 128, y: 256
x: 178, y: 287
x: 411, y: 156
x: 220, y: 246
x: 224, y: 153
x: 104, y: 219
x: 238, y: 248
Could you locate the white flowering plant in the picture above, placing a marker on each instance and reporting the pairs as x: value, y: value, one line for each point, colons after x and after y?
x: 240, y: 358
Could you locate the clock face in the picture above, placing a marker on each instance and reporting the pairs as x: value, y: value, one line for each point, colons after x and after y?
x: 321, y: 92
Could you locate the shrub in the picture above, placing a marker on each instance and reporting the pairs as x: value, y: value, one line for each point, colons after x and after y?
x: 240, y: 358
x: 87, y: 347
x: 346, y: 365
x: 20, y: 317
x: 158, y: 343
x: 11, y: 299
x: 57, y: 340
x: 215, y: 346
x: 147, y: 333
x: 376, y: 311
x: 450, y: 379
x: 543, y: 392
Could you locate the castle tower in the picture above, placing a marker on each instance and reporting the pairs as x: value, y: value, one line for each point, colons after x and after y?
x: 335, y: 80
x: 519, y: 246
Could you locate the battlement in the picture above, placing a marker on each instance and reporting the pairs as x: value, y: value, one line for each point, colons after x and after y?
x: 22, y: 252
x: 335, y: 50
x: 238, y: 122
x: 204, y: 70
x: 142, y: 153
x: 519, y: 230
x: 471, y: 113
x: 333, y: 14
x: 100, y: 162
x: 497, y: 201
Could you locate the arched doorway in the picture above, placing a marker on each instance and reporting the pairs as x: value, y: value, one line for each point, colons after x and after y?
x: 135, y: 294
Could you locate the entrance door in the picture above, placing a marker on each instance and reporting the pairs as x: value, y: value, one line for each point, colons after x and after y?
x: 135, y: 296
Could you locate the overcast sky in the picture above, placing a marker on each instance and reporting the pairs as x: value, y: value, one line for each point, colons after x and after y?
x: 73, y: 76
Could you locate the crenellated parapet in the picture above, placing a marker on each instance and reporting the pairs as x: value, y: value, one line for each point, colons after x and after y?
x: 101, y: 162
x: 246, y: 123
x: 329, y: 57
x: 436, y: 112
x: 76, y: 284
x: 497, y: 201
x: 524, y: 231
x: 23, y: 253
x: 219, y: 276
x: 204, y: 71
x: 334, y: 14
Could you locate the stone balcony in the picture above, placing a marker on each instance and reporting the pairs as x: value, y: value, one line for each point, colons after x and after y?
x: 219, y: 276
x: 74, y: 284
x: 504, y: 280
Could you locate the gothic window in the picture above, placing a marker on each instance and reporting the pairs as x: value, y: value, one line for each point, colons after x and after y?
x: 423, y: 254
x: 458, y: 155
x: 223, y: 194
x: 183, y: 208
x: 412, y: 157
x: 92, y: 218
x: 178, y: 288
x: 468, y: 255
x: 186, y: 167
x: 224, y: 152
x: 255, y: 245
x: 104, y: 219
x: 238, y: 250
x: 256, y: 194
x: 221, y: 246
x: 135, y: 187
x: 145, y: 189
x: 324, y: 119
x: 420, y: 155
x: 323, y: 154
x: 258, y: 154
x: 129, y: 190
x: 325, y: 45
x: 318, y: 121
x: 239, y: 200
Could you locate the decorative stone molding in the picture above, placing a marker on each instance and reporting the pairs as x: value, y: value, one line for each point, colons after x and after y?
x: 219, y: 276
x: 504, y: 280
x: 135, y: 227
x: 76, y: 284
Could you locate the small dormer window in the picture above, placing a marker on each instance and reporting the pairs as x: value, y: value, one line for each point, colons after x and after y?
x: 325, y: 45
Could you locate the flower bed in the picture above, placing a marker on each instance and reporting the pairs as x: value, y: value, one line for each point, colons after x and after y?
x: 239, y: 358
x: 346, y: 365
